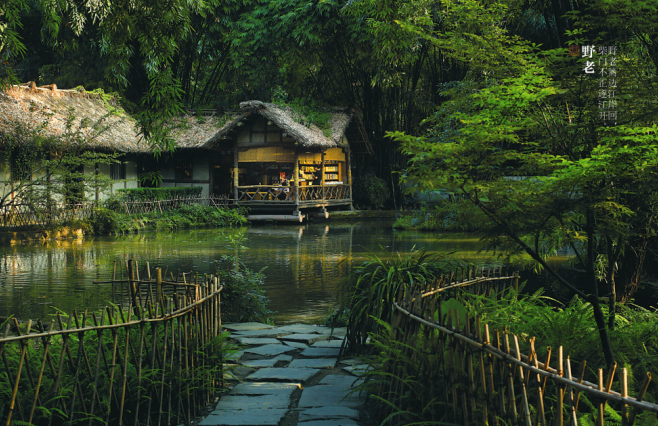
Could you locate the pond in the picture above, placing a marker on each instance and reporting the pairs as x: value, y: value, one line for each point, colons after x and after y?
x: 304, y: 263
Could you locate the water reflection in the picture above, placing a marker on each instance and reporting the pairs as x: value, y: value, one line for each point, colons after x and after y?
x: 304, y: 263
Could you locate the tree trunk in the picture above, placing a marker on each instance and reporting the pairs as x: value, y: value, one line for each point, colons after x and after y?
x: 630, y: 269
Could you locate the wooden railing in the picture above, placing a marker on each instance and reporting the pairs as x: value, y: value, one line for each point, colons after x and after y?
x: 143, y: 207
x: 15, y: 215
x: 155, y: 360
x: 479, y: 376
x: 291, y: 194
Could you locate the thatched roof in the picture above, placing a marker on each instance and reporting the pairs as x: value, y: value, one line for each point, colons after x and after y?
x: 103, y: 125
x: 97, y: 123
x: 309, y: 136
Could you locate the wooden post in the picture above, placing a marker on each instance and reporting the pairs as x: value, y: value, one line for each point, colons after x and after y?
x: 349, y: 173
x: 158, y: 283
x: 296, y: 178
x: 324, y: 194
x: 235, y: 172
x: 516, y: 281
x: 131, y: 279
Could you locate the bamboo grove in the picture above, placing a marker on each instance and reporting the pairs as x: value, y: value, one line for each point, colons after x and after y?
x: 442, y: 366
x: 154, y: 359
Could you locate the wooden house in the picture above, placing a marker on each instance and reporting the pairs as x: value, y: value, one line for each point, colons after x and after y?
x: 266, y: 159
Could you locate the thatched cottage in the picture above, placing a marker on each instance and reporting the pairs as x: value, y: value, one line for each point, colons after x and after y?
x: 262, y: 157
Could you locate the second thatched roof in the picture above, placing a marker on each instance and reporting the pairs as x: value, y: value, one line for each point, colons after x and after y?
x: 308, y: 136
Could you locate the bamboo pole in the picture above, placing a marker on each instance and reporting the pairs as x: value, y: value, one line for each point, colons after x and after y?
x: 125, y: 370
x: 46, y: 347
x: 14, y: 393
x: 98, y: 362
x: 139, y: 361
x: 60, y: 369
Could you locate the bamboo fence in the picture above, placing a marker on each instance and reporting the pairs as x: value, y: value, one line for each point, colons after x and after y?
x: 15, y: 215
x: 156, y: 360
x: 480, y: 376
x: 142, y: 207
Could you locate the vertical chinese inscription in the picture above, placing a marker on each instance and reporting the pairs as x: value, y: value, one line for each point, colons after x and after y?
x: 607, y: 87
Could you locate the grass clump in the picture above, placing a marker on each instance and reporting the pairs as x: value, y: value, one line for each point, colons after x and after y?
x: 108, y: 221
x: 371, y: 289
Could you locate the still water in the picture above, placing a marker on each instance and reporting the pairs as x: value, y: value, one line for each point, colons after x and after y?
x: 304, y: 263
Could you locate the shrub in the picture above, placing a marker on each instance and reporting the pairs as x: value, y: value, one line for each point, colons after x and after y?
x: 371, y: 191
x: 243, y: 297
x: 151, y: 194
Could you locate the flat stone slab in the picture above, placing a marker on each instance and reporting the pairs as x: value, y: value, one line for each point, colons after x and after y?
x: 244, y: 326
x: 256, y: 417
x: 285, y: 374
x: 356, y: 369
x: 301, y: 328
x: 286, y: 358
x: 320, y: 352
x: 327, y: 413
x: 235, y: 357
x: 309, y: 339
x: 322, y: 396
x: 260, y: 363
x: 257, y: 340
x: 251, y: 388
x: 297, y: 345
x: 338, y: 331
x: 269, y: 350
x: 242, y: 370
x: 314, y: 363
x: 328, y: 344
x: 251, y: 402
x: 270, y: 332
x: 334, y: 422
x: 352, y: 361
x: 339, y: 381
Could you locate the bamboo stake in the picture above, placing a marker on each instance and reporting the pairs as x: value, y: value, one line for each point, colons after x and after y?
x: 510, y: 383
x: 639, y: 397
x: 600, y: 420
x: 18, y: 374
x: 65, y: 339
x: 46, y: 346
x: 624, y: 394
x: 98, y: 362
x: 572, y: 407
x: 483, y: 378
x: 526, y: 406
x: 125, y: 370
x: 139, y: 365
x: 559, y: 412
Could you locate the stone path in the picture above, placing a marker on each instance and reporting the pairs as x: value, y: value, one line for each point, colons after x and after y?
x: 290, y: 376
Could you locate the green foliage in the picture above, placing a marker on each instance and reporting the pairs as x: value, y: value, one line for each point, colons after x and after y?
x: 372, y: 191
x: 47, y: 169
x: 243, y: 297
x: 337, y: 318
x: 113, y: 221
x: 372, y: 287
x: 634, y: 338
x: 305, y: 111
x: 155, y: 194
x: 445, y: 215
